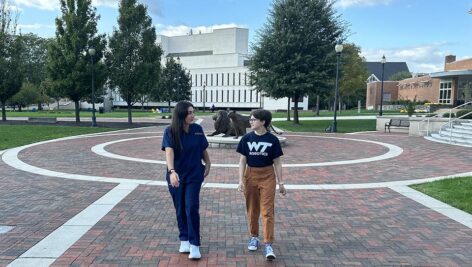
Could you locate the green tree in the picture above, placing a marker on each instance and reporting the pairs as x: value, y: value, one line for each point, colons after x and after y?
x: 35, y: 71
x: 11, y: 47
x: 294, y: 53
x: 352, y: 84
x: 400, y: 76
x: 134, y: 57
x: 26, y: 96
x: 176, y: 83
x: 68, y: 59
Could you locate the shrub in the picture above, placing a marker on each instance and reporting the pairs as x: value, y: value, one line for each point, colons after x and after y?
x: 463, y: 112
x: 446, y: 115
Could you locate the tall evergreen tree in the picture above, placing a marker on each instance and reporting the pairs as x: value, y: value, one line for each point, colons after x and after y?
x: 176, y: 83
x: 11, y: 47
x: 134, y: 57
x: 294, y: 53
x: 69, y: 65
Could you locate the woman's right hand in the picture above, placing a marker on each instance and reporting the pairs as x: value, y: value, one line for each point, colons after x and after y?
x: 174, y: 179
x: 241, y: 187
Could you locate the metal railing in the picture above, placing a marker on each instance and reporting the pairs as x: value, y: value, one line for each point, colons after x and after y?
x: 450, y: 122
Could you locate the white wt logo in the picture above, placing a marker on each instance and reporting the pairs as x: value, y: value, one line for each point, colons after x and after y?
x: 255, y: 146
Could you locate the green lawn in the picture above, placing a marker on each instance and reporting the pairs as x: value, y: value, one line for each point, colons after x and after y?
x: 344, y: 126
x: 325, y: 113
x: 19, y: 135
x: 85, y: 114
x: 456, y: 192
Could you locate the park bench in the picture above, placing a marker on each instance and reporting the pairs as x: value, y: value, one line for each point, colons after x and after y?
x: 42, y: 119
x: 397, y: 123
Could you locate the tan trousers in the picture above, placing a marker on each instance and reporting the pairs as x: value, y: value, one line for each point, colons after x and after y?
x: 259, y: 190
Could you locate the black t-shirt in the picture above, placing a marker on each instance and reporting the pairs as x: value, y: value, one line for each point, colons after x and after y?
x: 260, y: 150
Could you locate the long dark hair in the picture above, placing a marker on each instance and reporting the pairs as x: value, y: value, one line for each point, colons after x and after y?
x: 177, y: 125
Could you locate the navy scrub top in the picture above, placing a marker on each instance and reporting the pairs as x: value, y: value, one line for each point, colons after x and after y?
x: 188, y: 162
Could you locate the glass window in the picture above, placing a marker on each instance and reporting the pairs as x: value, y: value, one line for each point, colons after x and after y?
x: 445, y: 92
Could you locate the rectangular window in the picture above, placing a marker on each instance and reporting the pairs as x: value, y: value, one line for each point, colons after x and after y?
x: 245, y: 78
x: 201, y: 79
x: 227, y: 79
x: 201, y: 98
x: 245, y: 95
x: 250, y: 95
x: 216, y: 98
x: 239, y: 82
x: 234, y: 99
x: 234, y: 78
x: 445, y: 91
x: 211, y: 95
x: 211, y: 78
x: 257, y: 96
x: 206, y: 79
x: 239, y: 96
x: 227, y: 96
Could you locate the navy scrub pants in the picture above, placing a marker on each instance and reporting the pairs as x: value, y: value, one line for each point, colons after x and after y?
x: 186, y: 200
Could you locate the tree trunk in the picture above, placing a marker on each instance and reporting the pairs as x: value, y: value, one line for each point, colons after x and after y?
x: 130, y: 120
x: 58, y: 105
x: 77, y: 111
x: 19, y: 108
x: 288, y: 109
x: 40, y: 106
x: 168, y: 103
x: 4, y: 112
x: 317, y: 105
x: 295, y: 111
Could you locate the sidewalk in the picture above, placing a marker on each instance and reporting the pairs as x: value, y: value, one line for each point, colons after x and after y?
x: 100, y: 200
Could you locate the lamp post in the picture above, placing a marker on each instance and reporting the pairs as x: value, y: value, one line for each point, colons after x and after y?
x: 383, y: 60
x: 91, y: 52
x: 339, y: 49
x: 204, y: 95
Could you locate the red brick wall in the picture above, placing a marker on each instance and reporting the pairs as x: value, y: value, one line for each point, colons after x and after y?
x: 373, y: 92
x: 465, y: 64
x: 424, y: 88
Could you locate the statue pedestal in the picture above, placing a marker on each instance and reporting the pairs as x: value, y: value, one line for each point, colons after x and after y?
x: 218, y: 141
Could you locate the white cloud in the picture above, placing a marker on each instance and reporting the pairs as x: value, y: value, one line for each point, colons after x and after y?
x: 54, y: 4
x: 171, y: 30
x: 35, y: 26
x: 423, y: 58
x: 107, y: 3
x: 351, y: 3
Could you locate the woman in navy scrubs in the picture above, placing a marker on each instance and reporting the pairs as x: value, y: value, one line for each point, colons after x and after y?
x: 185, y: 146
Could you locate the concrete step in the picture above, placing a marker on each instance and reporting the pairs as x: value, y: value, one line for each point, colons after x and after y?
x: 456, y: 134
x: 446, y: 139
x: 458, y: 129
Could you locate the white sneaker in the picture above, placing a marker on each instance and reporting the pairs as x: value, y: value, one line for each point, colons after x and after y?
x: 194, y: 253
x: 184, y: 247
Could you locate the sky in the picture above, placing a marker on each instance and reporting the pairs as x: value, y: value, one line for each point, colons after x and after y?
x: 418, y: 32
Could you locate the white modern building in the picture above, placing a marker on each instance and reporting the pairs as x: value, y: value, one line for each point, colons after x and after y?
x: 217, y: 64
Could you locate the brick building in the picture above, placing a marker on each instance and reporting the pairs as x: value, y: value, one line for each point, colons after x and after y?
x: 374, y: 82
x: 453, y: 86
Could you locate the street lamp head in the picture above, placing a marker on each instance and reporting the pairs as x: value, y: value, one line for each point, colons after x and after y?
x: 338, y: 48
x: 91, y: 51
x: 383, y: 60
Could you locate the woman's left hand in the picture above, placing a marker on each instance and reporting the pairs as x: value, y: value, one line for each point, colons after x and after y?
x: 282, y: 189
x: 207, y: 170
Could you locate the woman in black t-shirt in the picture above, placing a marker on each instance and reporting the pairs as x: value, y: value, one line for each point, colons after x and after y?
x: 260, y: 168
